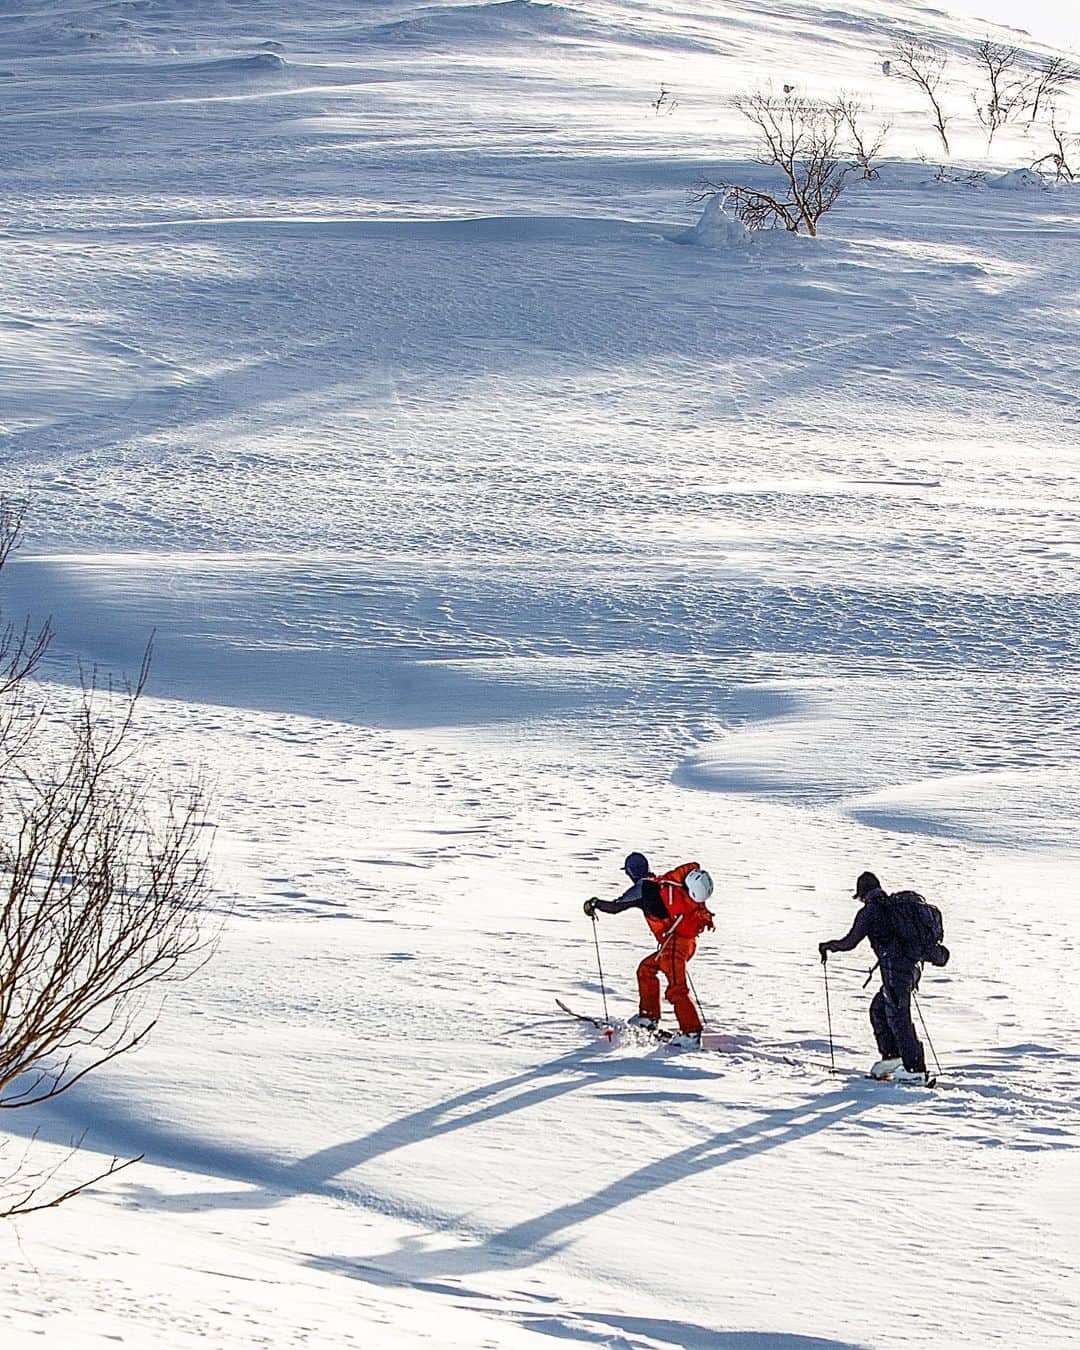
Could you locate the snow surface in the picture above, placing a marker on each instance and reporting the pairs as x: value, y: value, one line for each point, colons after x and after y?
x: 490, y: 529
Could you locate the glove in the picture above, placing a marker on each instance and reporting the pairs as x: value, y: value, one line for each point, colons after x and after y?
x: 823, y: 950
x: 590, y: 907
x: 709, y: 925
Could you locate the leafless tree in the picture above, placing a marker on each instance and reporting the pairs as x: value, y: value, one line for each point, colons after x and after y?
x: 103, y: 882
x: 801, y: 138
x: 1008, y: 85
x: 866, y: 144
x: 1066, y: 147
x: 923, y: 64
x: 1050, y: 78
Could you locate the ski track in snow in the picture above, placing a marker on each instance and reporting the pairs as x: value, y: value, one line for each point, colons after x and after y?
x: 488, y: 528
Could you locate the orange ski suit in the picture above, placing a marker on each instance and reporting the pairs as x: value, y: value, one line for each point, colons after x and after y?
x: 670, y: 961
x: 675, y: 947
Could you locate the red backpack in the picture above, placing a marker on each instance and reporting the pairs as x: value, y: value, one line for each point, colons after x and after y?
x: 688, y: 917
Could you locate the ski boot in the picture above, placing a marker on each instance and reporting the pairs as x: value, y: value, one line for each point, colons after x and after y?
x: 886, y: 1068
x: 921, y: 1076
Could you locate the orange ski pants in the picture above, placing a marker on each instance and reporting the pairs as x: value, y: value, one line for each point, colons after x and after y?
x: 670, y: 961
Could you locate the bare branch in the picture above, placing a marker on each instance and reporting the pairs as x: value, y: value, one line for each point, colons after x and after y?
x: 866, y: 145
x: 803, y: 139
x: 1066, y: 150
x: 103, y: 876
x: 1009, y: 88
x: 1050, y: 78
x: 22, y: 648
x: 29, y: 1203
x: 923, y: 64
x: 12, y: 516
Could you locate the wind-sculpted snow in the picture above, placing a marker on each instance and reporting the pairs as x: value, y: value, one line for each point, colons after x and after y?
x: 496, y: 514
x: 457, y: 26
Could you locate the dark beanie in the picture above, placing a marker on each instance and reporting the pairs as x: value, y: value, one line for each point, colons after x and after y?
x: 636, y: 866
x: 866, y: 883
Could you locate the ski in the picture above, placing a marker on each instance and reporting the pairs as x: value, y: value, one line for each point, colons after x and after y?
x: 582, y: 1017
x: 616, y: 1026
x: 719, y: 1043
x: 729, y: 1045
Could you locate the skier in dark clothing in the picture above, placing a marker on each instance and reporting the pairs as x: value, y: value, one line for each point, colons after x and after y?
x: 901, y: 1050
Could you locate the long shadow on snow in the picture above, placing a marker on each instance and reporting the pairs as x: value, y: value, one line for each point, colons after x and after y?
x: 534, y: 1240
x: 577, y: 1326
x: 107, y: 1127
x: 183, y: 400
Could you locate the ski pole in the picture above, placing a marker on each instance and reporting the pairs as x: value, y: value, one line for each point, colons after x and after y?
x: 828, y: 1015
x: 667, y: 936
x: 697, y: 1000
x: 922, y: 1019
x: 600, y: 968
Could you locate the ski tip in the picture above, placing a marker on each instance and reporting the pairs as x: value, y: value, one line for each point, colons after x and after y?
x: 902, y: 1082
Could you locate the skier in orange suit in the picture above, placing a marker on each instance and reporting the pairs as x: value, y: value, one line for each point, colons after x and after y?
x: 674, y: 909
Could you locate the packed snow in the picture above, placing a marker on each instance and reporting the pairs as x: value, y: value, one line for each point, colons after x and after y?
x: 498, y: 509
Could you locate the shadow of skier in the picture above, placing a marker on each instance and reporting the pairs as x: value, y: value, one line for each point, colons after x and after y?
x: 270, y: 1181
x: 542, y: 1236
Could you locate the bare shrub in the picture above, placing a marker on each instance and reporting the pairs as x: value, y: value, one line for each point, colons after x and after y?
x: 969, y: 178
x: 1066, y: 151
x: 804, y: 140
x: 1050, y: 78
x: 1008, y: 85
x: 865, y: 144
x: 102, y: 880
x: 923, y: 64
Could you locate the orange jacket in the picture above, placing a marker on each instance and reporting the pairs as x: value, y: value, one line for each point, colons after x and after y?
x: 685, y: 915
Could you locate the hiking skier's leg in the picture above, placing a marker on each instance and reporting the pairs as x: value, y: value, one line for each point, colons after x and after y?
x: 673, y: 961
x: 648, y: 983
x: 887, y: 1045
x: 897, y: 989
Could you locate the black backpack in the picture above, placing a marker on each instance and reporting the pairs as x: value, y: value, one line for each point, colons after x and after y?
x: 918, y: 928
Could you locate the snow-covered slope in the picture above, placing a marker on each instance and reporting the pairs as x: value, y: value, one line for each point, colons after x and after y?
x: 492, y: 525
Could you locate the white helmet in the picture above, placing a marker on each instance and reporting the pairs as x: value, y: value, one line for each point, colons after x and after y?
x: 699, y: 884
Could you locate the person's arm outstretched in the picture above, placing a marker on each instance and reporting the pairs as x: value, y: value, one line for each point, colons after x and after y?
x: 855, y: 934
x: 643, y: 895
